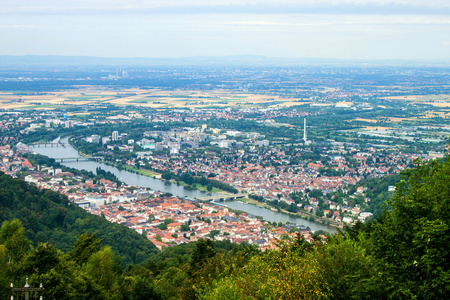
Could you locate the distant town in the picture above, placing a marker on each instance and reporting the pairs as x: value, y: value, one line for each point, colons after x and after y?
x: 315, y: 155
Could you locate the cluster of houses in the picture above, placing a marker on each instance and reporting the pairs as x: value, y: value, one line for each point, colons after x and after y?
x: 269, y: 173
x: 169, y: 221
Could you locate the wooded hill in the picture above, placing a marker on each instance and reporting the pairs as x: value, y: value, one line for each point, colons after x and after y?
x: 48, y: 216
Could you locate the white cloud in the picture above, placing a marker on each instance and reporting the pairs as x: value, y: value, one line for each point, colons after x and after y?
x: 82, y: 7
x: 255, y: 23
x: 17, y: 26
x: 332, y: 20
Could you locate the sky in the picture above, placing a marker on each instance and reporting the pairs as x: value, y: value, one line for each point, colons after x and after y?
x: 343, y: 29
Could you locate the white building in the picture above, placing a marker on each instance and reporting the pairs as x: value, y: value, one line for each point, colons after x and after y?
x: 94, y: 200
x: 105, y: 139
x: 93, y: 139
x: 224, y: 144
x: 69, y: 123
x: 347, y: 220
x: 263, y: 143
x: 115, y: 136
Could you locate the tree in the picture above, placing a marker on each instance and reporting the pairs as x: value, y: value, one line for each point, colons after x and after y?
x: 316, y: 194
x: 85, y: 246
x: 411, y: 237
x: 144, y: 289
x: 184, y: 227
x: 162, y: 226
x: 171, y: 282
x: 168, y: 221
x: 102, y: 268
x: 277, y: 275
x: 12, y: 237
x: 166, y: 175
x: 151, y: 218
x: 213, y: 233
x: 4, y: 289
x: 41, y: 260
x: 204, y: 249
x: 292, y: 208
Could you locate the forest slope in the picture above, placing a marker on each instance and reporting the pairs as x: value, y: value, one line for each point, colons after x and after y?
x: 49, y: 217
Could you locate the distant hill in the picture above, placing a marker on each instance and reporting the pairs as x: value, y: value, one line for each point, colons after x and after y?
x: 48, y: 216
x: 36, y: 61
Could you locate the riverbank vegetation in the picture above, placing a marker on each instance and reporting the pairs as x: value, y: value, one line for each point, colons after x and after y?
x: 192, y: 180
x: 144, y: 172
x: 299, y: 214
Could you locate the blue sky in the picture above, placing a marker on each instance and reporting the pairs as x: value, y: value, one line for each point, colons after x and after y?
x: 361, y: 29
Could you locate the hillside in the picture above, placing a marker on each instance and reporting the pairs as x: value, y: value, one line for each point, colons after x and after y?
x: 48, y: 217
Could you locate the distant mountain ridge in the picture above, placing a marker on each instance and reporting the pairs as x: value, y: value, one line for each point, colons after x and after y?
x: 234, y: 60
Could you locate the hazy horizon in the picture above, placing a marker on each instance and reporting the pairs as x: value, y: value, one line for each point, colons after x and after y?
x: 328, y: 29
x: 237, y: 61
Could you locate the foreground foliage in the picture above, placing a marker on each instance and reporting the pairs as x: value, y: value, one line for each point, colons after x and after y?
x: 410, y: 241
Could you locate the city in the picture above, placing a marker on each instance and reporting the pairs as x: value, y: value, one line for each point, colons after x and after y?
x: 224, y: 149
x: 266, y: 150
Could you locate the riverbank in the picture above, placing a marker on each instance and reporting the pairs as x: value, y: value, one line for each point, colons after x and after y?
x: 198, y: 187
x: 144, y: 172
x: 304, y: 215
x: 155, y: 175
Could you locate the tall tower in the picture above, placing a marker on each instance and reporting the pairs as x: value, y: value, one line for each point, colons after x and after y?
x: 304, y: 131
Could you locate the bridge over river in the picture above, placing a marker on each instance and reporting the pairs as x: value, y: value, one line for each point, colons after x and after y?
x: 222, y: 197
x: 79, y: 158
x: 52, y: 144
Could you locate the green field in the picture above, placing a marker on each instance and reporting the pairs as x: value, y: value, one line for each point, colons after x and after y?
x: 144, y: 172
x: 84, y: 98
x: 50, y: 106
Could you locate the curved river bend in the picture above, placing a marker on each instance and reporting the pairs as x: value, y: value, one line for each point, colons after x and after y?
x: 166, y: 187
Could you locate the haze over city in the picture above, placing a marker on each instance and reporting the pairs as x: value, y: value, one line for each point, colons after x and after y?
x: 365, y: 29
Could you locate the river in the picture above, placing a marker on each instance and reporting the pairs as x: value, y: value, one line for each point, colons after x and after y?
x: 58, y: 152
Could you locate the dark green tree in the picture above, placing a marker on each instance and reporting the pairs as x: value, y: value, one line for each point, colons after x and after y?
x: 204, y: 249
x: 144, y: 289
x: 411, y: 238
x: 12, y: 237
x: 85, y: 246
